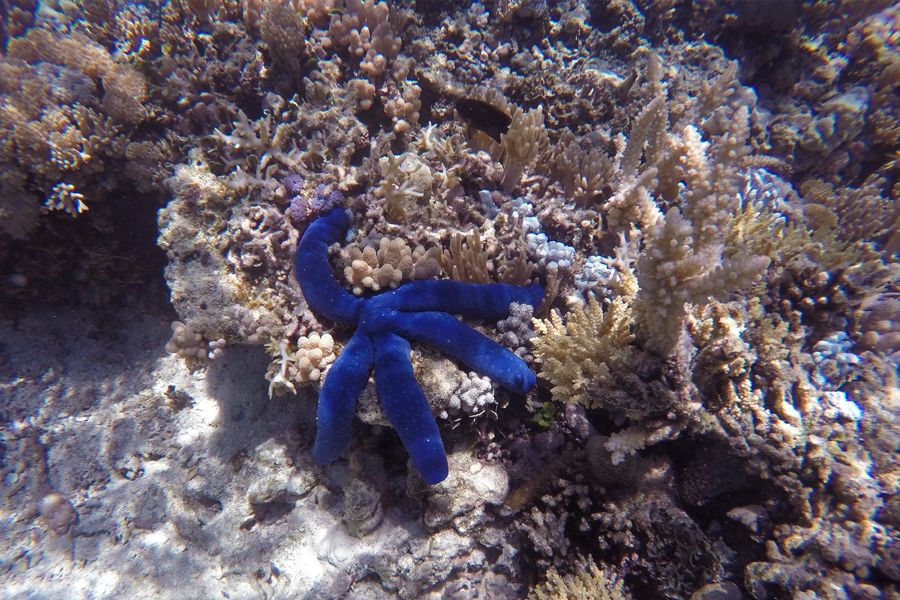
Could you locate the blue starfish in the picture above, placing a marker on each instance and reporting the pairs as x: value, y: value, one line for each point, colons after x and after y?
x: 417, y: 311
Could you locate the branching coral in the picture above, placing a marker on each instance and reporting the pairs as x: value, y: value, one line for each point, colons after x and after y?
x: 65, y: 198
x: 863, y: 214
x: 684, y: 259
x: 190, y: 345
x: 583, y: 173
x: 465, y: 259
x: 406, y: 180
x: 307, y: 363
x: 587, y: 349
x: 67, y: 109
x: 283, y: 30
x: 590, y: 583
x: 363, y: 27
x: 525, y: 141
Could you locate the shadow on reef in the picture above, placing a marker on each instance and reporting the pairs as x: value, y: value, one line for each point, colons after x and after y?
x: 107, y: 257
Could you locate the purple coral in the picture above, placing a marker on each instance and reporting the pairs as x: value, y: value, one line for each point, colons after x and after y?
x: 293, y: 184
x: 305, y: 207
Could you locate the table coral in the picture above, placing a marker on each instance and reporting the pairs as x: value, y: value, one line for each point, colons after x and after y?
x: 418, y: 311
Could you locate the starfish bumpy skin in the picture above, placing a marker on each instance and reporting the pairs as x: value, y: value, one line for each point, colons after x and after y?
x: 419, y: 311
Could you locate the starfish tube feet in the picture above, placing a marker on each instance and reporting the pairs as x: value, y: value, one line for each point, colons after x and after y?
x: 407, y: 409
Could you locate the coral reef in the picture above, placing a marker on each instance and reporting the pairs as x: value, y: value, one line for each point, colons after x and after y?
x: 703, y: 404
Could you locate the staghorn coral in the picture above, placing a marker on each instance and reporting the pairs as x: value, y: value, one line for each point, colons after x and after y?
x: 64, y: 197
x: 522, y: 144
x: 684, y: 258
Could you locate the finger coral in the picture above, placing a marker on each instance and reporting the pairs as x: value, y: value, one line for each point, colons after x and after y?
x: 388, y: 265
x: 307, y: 363
x: 364, y: 29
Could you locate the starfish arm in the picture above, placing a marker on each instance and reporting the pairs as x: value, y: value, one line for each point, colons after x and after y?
x: 337, y: 399
x: 477, y: 300
x: 468, y: 346
x: 405, y: 406
x: 322, y: 292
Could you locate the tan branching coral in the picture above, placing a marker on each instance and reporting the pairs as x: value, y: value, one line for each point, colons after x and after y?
x: 684, y: 259
x: 362, y: 91
x: 65, y: 198
x: 124, y: 89
x: 406, y: 179
x: 522, y: 144
x: 863, y: 214
x: 582, y: 172
x: 388, y: 265
x: 363, y: 27
x: 589, y: 583
x: 190, y: 345
x: 465, y: 259
x: 283, y: 29
x: 674, y: 271
x: 403, y: 106
x: 587, y: 349
x: 66, y: 108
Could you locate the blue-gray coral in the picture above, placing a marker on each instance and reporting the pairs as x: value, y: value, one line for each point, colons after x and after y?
x: 418, y: 311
